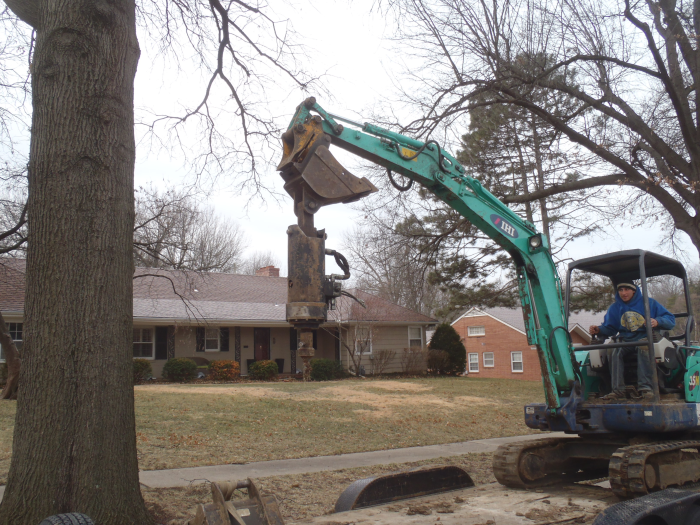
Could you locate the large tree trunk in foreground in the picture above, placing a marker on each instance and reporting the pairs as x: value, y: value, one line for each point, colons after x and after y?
x: 74, y: 441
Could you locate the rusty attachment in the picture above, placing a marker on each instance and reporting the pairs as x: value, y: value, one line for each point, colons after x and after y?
x: 306, y: 351
x: 306, y: 301
x: 314, y: 178
x: 255, y: 510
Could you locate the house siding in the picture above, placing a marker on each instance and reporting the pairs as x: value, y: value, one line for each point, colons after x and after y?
x: 279, y: 347
x: 326, y: 341
x: 501, y: 339
x: 384, y: 338
x: 185, y: 346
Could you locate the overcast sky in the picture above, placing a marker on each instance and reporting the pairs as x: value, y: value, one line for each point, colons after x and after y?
x: 349, y: 44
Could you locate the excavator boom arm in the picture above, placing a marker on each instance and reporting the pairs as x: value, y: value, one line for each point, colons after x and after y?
x: 441, y: 174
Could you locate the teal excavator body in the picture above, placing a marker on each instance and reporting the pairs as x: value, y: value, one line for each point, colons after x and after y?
x: 573, y: 378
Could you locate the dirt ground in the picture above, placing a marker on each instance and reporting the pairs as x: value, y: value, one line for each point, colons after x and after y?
x: 488, y: 504
x: 300, y: 496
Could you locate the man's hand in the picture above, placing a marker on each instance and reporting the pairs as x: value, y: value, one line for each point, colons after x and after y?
x: 594, y: 330
x: 654, y: 323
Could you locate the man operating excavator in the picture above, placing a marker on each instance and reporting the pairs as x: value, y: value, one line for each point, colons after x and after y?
x: 626, y: 318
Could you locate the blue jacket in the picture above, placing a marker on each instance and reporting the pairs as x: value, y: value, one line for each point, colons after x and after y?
x: 627, y: 319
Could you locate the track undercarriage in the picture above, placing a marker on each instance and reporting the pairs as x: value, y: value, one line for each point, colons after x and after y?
x: 634, y: 469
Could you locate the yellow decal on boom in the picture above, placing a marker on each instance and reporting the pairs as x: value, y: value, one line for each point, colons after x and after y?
x: 409, y: 153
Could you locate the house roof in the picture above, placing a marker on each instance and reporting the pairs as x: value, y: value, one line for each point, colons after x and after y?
x: 377, y: 310
x: 172, y: 295
x: 513, y: 317
x: 12, y: 284
x: 218, y: 287
x: 178, y: 309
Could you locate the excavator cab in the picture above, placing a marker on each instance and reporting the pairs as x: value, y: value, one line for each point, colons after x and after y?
x: 671, y: 352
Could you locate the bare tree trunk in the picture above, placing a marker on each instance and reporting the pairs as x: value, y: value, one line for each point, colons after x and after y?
x: 74, y: 439
x: 540, y: 178
x: 351, y: 350
x: 13, y: 362
x: 523, y: 177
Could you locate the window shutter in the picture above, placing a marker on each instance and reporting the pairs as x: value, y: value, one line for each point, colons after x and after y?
x: 200, y: 339
x: 337, y: 344
x: 237, y: 344
x: 161, y: 342
x: 171, y: 341
x: 223, y: 339
x: 293, y: 343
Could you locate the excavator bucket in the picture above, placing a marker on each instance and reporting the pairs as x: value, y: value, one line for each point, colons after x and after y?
x: 312, y: 174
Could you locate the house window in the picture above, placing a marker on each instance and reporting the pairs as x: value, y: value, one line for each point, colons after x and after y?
x: 473, y: 331
x: 363, y: 340
x: 211, y: 340
x: 15, y: 330
x: 488, y: 359
x: 516, y: 361
x: 143, y: 343
x: 473, y: 362
x: 415, y: 339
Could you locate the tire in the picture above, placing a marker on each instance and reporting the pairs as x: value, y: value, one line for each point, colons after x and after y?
x: 73, y: 518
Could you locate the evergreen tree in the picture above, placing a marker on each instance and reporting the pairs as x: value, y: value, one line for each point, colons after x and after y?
x: 511, y: 152
x: 447, y: 339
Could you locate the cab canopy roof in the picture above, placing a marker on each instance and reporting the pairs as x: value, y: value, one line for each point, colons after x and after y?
x: 624, y: 266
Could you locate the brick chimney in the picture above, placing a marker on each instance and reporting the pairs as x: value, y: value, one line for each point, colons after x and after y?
x: 268, y: 271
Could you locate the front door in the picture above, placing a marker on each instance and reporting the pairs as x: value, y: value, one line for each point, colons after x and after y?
x: 261, y: 342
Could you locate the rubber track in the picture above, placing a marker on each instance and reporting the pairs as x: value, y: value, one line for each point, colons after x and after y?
x: 627, y: 466
x: 506, y: 463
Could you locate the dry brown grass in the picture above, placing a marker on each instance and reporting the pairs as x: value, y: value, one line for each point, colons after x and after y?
x: 193, y: 425
x: 304, y: 495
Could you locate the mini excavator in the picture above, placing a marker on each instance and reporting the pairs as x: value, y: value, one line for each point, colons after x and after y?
x: 642, y: 447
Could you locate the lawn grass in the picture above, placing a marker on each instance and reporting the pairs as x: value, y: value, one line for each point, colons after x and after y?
x: 203, y: 424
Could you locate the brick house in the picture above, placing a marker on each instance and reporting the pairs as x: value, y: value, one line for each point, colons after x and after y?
x: 212, y: 316
x: 497, y: 345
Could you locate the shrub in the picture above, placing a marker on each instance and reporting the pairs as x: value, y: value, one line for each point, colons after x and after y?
x: 446, y: 338
x: 326, y: 369
x: 180, y: 369
x: 3, y: 373
x: 263, y: 370
x: 438, y: 362
x: 382, y: 359
x: 413, y: 360
x: 142, y: 370
x: 224, y: 370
